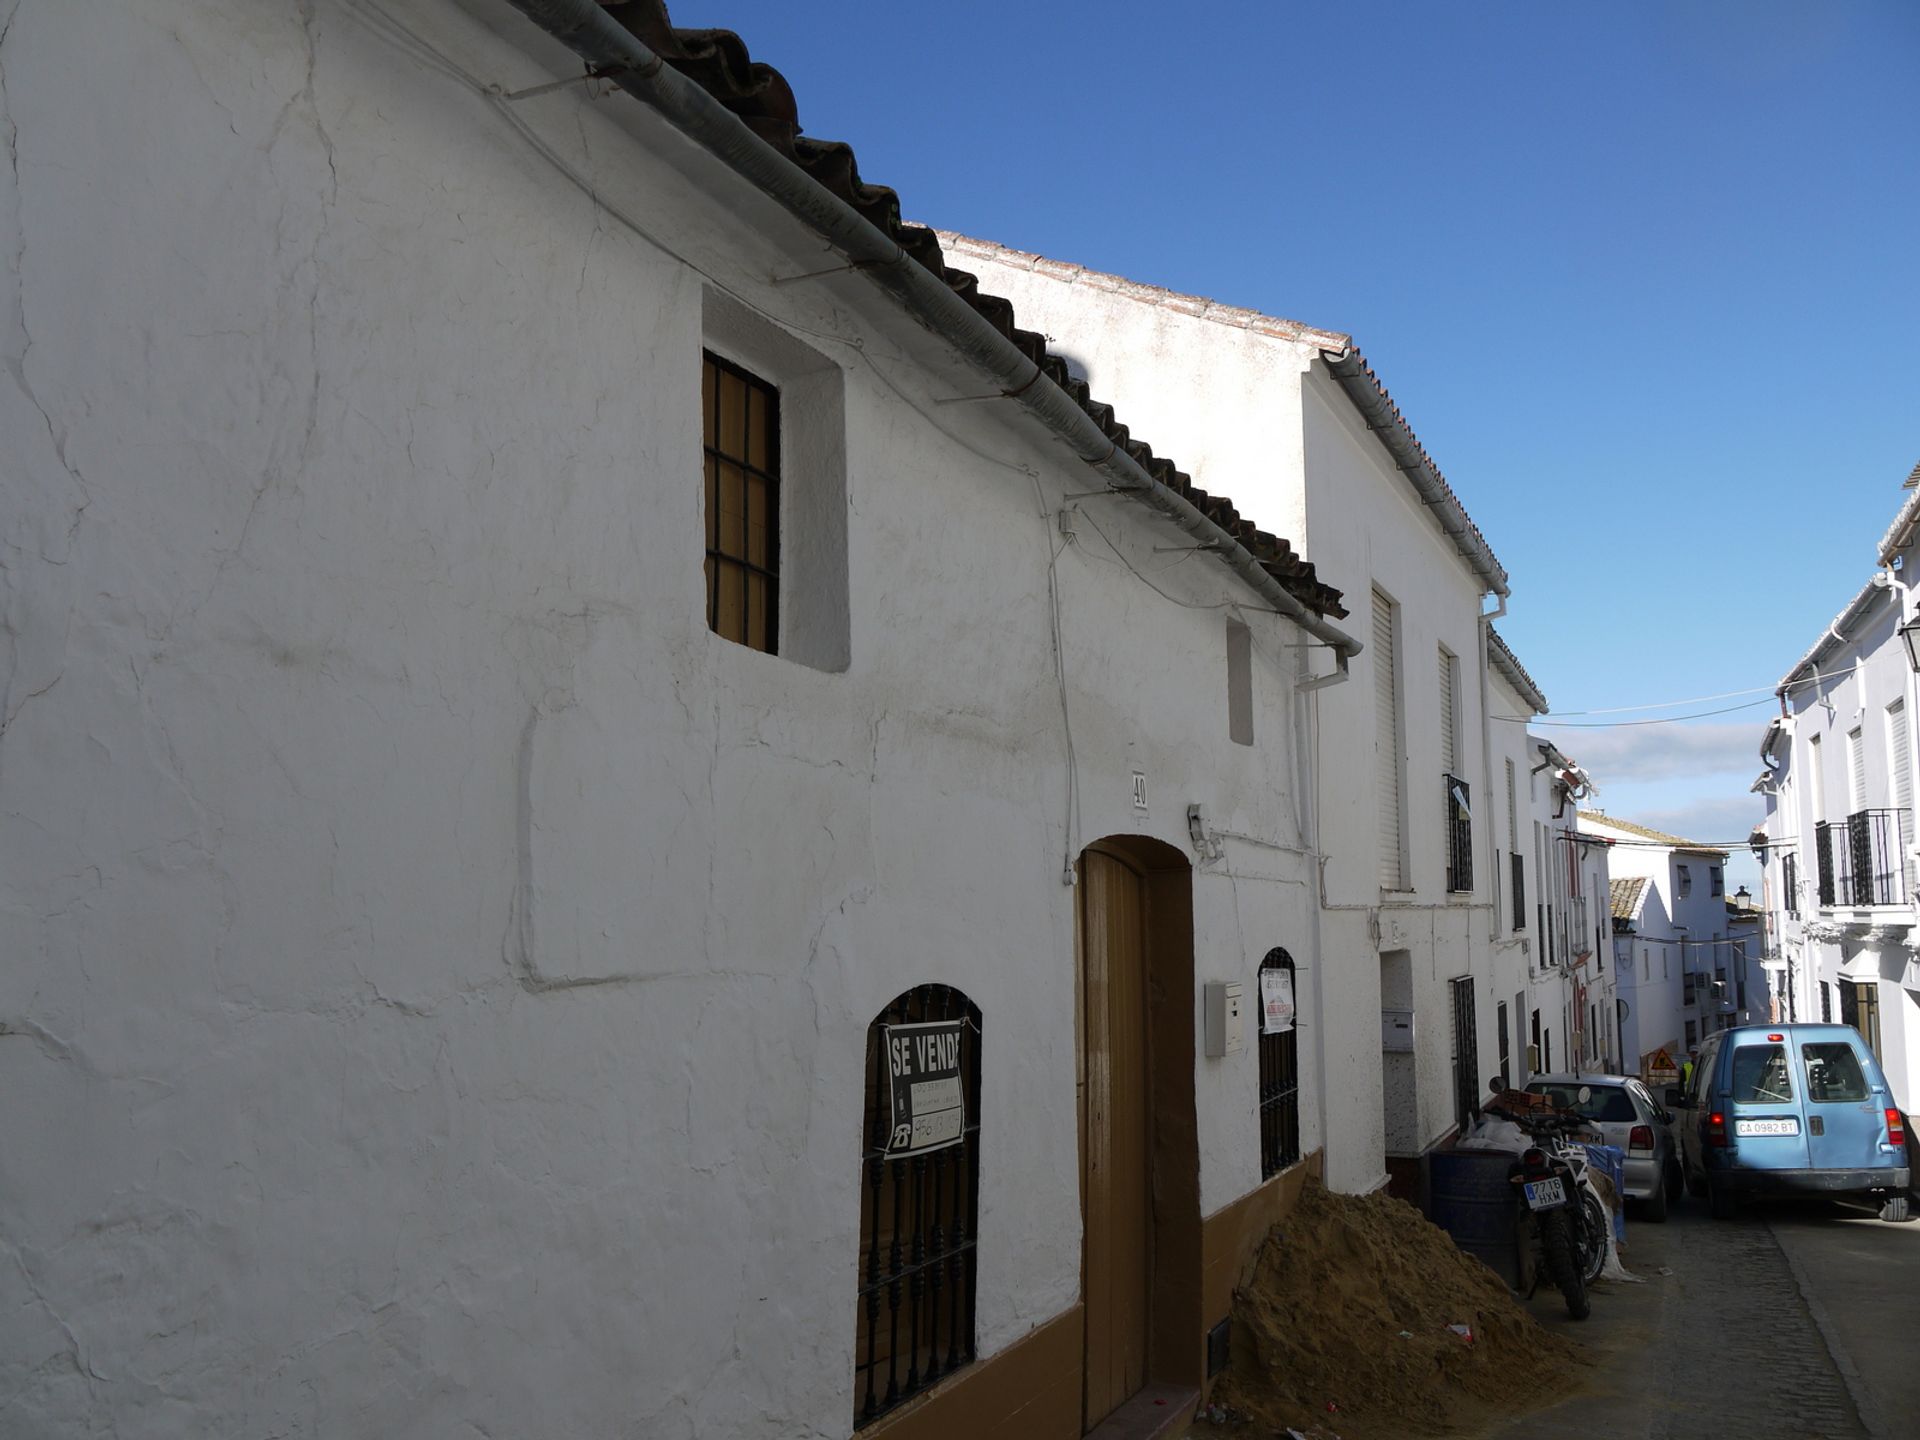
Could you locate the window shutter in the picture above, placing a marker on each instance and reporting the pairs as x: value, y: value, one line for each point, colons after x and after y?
x: 1513, y: 812
x: 1449, y: 744
x: 1900, y: 763
x: 1386, y: 744
x: 1816, y: 779
x: 1857, y: 758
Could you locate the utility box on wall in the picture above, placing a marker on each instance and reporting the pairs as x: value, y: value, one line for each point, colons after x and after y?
x: 1396, y: 1030
x: 1225, y: 1026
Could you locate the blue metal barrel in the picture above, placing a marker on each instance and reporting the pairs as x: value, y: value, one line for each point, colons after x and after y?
x: 1611, y: 1160
x: 1470, y: 1199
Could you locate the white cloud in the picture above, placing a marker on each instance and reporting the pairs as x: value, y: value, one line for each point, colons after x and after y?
x: 1661, y: 752
x: 1725, y: 820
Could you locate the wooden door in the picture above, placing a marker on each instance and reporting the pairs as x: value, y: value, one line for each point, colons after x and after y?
x: 1115, y: 1151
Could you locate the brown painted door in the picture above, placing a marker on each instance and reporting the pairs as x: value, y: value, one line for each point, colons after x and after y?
x: 1114, y: 1151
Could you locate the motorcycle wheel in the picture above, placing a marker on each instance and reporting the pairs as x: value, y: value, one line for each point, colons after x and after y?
x: 1563, y: 1264
x: 1594, y: 1224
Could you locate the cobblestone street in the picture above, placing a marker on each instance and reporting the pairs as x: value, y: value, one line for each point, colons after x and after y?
x: 1778, y: 1323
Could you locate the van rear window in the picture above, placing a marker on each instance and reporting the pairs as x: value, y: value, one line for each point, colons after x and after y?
x: 1833, y: 1072
x: 1607, y: 1103
x: 1761, y: 1075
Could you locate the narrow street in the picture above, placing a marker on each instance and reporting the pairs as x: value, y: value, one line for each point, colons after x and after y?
x: 1789, y: 1321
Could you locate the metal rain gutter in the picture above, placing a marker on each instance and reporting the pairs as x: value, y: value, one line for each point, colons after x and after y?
x: 1836, y: 632
x: 615, y: 53
x: 1351, y: 371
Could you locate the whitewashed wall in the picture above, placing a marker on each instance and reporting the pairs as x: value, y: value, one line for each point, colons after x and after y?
x: 1515, y: 951
x: 1243, y: 401
x: 1858, y: 680
x: 437, y: 968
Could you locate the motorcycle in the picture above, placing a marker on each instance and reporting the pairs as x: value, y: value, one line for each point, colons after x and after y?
x: 1561, y: 1225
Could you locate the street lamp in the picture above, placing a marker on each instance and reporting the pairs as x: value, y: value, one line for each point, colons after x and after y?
x: 1908, y: 633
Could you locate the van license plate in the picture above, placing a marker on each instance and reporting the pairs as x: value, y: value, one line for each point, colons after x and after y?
x: 1766, y: 1127
x: 1545, y: 1194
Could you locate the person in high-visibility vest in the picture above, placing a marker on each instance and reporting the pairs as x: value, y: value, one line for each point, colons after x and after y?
x: 1686, y: 1070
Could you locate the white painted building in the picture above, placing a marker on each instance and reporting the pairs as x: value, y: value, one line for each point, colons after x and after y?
x: 1682, y: 966
x: 1573, y: 1021
x: 1518, y: 952
x: 1840, y: 834
x: 456, y: 866
x: 1290, y: 420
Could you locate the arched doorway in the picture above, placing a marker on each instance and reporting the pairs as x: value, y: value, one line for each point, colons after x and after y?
x: 1139, y: 1167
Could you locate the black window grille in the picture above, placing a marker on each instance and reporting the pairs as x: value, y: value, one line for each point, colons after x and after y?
x: 1790, y: 883
x: 1279, y: 1086
x: 1826, y: 1003
x: 1519, y: 891
x: 1459, y: 834
x: 918, y: 1225
x: 1506, y: 1056
x: 1466, y: 1052
x: 1823, y: 847
x: 742, y: 445
x: 1876, y: 844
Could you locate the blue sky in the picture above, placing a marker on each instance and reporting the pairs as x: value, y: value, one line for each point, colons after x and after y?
x: 1641, y: 275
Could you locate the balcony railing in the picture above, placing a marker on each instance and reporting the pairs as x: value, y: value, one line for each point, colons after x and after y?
x: 1862, y: 859
x: 1459, y: 822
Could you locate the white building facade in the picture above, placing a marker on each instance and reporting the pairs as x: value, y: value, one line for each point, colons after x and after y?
x: 463, y: 876
x: 1290, y: 420
x: 1840, y: 833
x: 1683, y: 966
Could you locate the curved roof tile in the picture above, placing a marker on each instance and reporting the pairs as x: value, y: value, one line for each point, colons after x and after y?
x: 718, y: 61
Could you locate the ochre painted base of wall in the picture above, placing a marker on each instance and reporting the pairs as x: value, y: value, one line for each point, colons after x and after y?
x: 1032, y: 1390
x: 1029, y: 1391
x: 1230, y: 1241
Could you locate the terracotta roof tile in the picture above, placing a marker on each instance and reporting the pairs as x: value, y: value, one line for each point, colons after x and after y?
x: 1508, y: 664
x: 1648, y: 833
x: 1625, y: 896
x: 718, y: 61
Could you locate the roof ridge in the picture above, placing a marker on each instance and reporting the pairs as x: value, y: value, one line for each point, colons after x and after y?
x: 1200, y: 307
x: 1341, y: 353
x: 1634, y: 827
x: 1508, y: 664
x: 719, y: 62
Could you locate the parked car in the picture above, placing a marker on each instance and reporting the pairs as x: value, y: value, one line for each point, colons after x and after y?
x: 1791, y: 1110
x: 1626, y: 1114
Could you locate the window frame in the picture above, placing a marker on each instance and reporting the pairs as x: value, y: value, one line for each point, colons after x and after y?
x: 1279, y: 1096
x: 721, y: 562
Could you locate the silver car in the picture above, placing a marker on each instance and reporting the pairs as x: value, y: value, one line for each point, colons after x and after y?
x: 1626, y: 1115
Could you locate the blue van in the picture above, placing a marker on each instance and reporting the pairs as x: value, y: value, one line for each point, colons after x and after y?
x: 1790, y: 1110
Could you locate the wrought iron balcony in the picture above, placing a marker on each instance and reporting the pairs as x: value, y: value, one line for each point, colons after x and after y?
x: 1862, y: 859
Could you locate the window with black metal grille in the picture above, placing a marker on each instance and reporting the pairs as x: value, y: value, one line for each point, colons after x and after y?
x: 919, y: 1198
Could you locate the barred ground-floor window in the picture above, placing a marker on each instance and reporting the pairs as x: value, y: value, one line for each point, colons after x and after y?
x: 919, y: 1197
x: 1279, y: 1076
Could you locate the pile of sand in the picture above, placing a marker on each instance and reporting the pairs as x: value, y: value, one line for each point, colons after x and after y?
x: 1322, y: 1319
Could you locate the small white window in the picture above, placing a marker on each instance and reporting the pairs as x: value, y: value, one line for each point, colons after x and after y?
x: 1239, y: 683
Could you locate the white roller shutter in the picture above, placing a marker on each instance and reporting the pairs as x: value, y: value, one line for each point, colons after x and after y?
x: 1386, y: 745
x: 1899, y: 762
x: 1449, y: 741
x: 1857, y: 759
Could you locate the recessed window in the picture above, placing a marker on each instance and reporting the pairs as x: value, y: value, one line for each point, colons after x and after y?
x: 1686, y: 880
x: 741, y: 414
x: 1279, y: 1072
x: 774, y: 456
x: 919, y: 1198
x: 1239, y: 683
